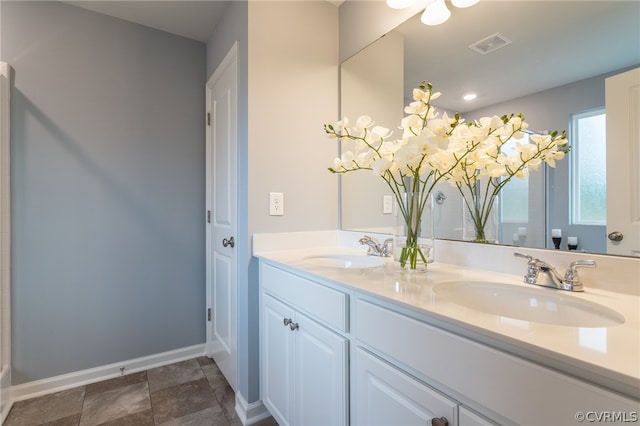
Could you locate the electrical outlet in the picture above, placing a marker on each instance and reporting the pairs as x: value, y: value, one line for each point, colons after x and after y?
x: 276, y: 204
x: 387, y: 204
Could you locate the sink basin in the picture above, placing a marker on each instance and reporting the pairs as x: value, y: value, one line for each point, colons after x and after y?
x: 540, y: 305
x: 345, y: 261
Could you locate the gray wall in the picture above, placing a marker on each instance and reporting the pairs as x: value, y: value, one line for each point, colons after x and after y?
x: 107, y: 189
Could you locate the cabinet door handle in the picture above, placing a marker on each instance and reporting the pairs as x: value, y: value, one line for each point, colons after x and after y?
x: 442, y: 421
x: 287, y: 321
x: 294, y: 326
x: 230, y: 242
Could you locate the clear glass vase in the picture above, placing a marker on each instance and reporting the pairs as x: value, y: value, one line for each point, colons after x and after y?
x: 413, y: 243
x: 481, y: 219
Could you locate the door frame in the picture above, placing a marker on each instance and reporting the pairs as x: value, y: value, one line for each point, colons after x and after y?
x: 5, y: 244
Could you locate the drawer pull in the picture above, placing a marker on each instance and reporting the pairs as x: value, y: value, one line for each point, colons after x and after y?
x: 293, y: 326
x: 287, y: 321
x: 442, y: 421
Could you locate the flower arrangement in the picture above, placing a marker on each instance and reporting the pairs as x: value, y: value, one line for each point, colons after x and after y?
x: 490, y: 161
x: 434, y: 148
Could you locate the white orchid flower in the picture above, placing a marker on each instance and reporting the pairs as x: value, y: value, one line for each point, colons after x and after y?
x: 346, y: 159
x: 551, y: 158
x: 380, y: 166
x: 363, y: 122
x: 496, y: 170
x: 420, y: 95
x: 379, y: 132
x: 417, y: 108
x: 412, y: 122
x: 365, y: 159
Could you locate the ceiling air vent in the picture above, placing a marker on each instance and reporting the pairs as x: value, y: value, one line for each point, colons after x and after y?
x: 490, y: 44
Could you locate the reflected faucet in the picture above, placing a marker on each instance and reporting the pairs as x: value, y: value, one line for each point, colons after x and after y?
x: 550, y: 276
x: 375, y: 248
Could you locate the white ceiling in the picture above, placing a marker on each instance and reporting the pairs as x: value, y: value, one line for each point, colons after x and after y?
x: 192, y: 19
x: 554, y: 42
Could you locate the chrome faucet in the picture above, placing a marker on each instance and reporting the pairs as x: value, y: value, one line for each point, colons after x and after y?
x: 550, y: 276
x: 375, y: 248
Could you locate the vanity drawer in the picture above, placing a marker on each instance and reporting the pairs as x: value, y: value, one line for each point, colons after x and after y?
x: 315, y: 299
x: 483, y: 377
x: 392, y: 334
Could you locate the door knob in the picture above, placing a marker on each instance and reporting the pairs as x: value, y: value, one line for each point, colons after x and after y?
x: 229, y: 242
x: 615, y: 236
x: 442, y: 421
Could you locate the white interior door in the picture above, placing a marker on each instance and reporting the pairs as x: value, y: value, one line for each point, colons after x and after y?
x: 622, y: 102
x: 222, y: 216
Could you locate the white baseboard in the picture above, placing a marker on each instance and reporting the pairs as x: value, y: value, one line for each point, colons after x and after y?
x: 5, y: 394
x: 97, y: 374
x: 250, y: 413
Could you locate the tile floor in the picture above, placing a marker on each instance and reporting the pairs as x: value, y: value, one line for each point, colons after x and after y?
x: 192, y: 392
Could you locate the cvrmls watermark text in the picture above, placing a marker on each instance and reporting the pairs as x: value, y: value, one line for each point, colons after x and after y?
x: 607, y: 416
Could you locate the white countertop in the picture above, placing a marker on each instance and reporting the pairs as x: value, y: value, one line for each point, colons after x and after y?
x: 607, y: 356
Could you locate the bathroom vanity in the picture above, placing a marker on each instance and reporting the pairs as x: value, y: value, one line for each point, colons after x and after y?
x: 347, y: 339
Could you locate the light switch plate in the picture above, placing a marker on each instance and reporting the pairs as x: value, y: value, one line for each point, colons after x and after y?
x: 276, y: 204
x: 387, y: 204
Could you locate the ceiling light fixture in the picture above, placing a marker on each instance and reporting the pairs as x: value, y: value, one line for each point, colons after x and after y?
x: 469, y: 96
x: 436, y: 12
x: 399, y: 4
x: 463, y: 3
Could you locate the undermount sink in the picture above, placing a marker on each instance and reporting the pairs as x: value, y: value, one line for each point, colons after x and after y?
x: 542, y: 305
x: 345, y: 261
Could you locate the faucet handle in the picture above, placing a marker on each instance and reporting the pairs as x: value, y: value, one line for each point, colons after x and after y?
x: 523, y: 255
x: 531, y: 277
x: 374, y: 246
x: 577, y: 263
x: 571, y: 277
x: 365, y: 239
x: 533, y: 262
x: 387, y: 247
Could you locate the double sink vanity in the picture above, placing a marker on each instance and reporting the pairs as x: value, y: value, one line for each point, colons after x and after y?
x: 349, y: 338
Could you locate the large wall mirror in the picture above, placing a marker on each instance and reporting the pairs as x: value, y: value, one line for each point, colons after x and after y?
x: 553, y: 68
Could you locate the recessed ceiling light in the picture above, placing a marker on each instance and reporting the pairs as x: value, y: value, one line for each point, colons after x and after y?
x: 469, y: 96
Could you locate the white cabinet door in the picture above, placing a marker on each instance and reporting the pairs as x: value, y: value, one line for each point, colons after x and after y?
x: 383, y: 395
x: 304, y: 368
x: 320, y: 374
x: 277, y: 359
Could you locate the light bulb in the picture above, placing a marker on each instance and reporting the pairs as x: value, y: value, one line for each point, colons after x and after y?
x: 399, y: 4
x: 436, y: 13
x: 464, y: 3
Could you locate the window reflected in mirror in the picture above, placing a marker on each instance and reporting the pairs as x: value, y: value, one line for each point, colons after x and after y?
x: 588, y: 168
